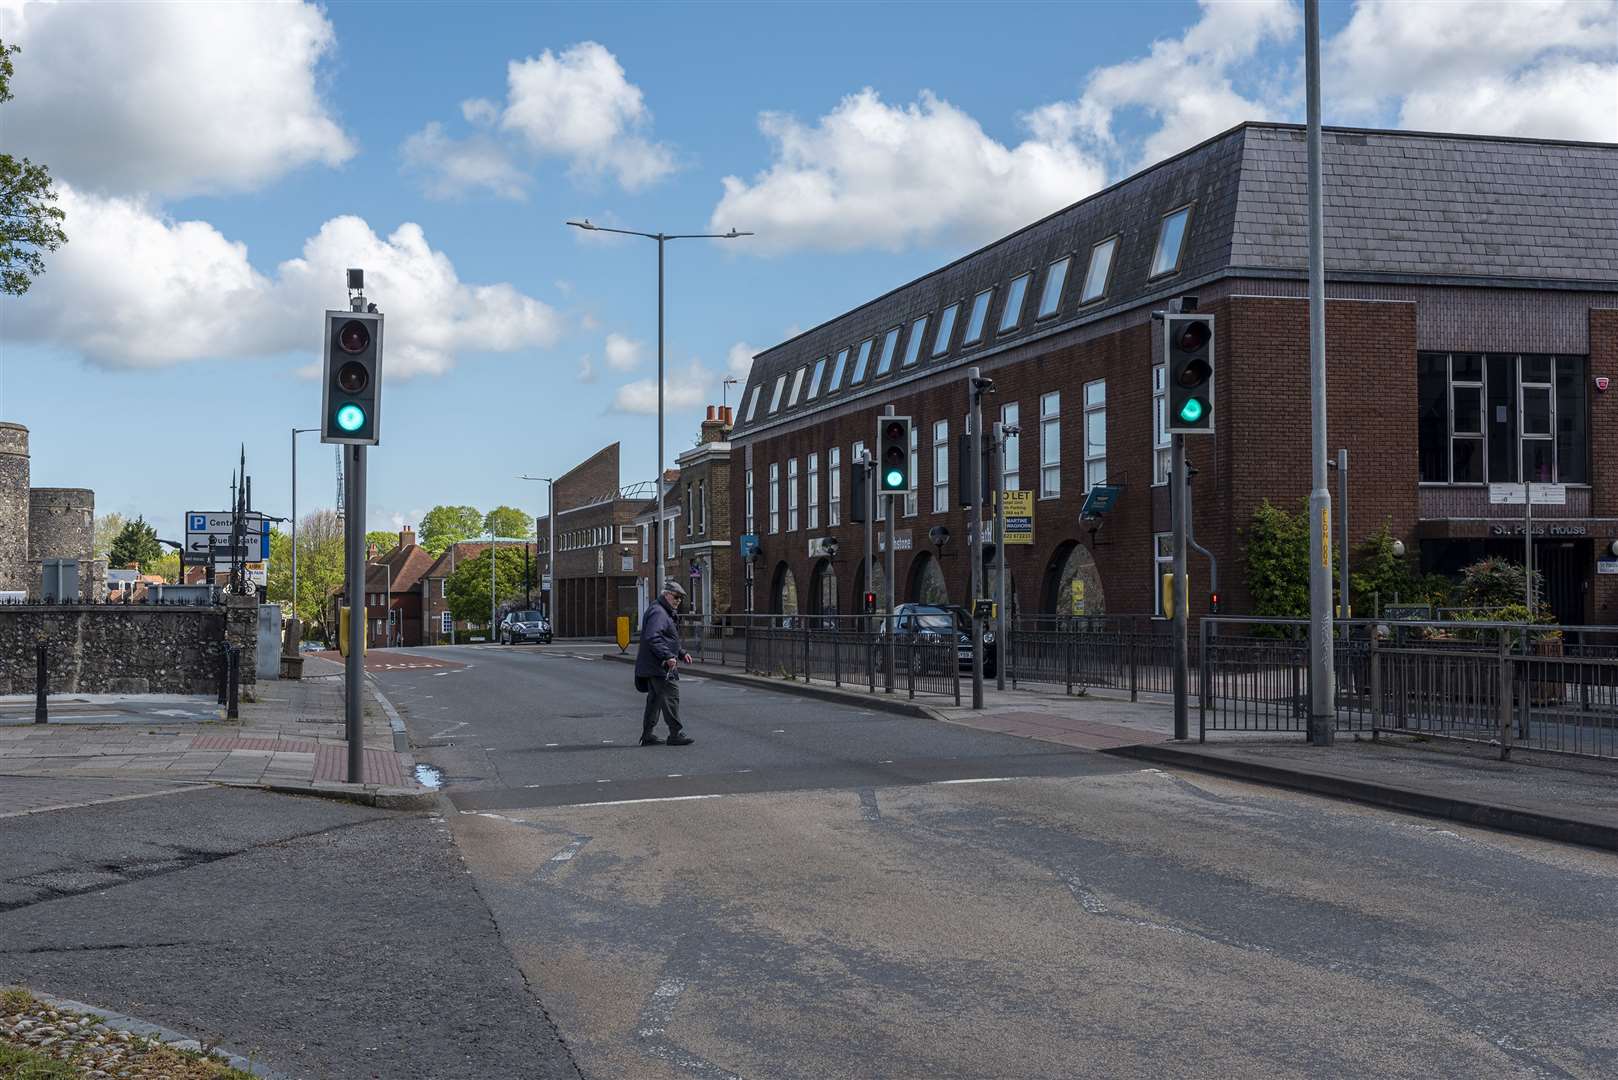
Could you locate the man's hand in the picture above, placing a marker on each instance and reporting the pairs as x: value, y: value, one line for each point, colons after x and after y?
x: 685, y: 658
x: 670, y: 662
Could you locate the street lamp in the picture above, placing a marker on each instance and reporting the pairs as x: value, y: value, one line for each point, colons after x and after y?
x: 661, y: 239
x: 550, y: 548
x: 295, y: 433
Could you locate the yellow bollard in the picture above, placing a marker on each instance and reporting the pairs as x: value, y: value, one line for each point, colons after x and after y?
x: 623, y: 633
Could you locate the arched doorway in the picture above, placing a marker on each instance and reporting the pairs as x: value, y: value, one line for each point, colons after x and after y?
x: 1073, y: 583
x: 784, y: 591
x: 927, y: 584
x: 861, y: 587
x: 823, y: 588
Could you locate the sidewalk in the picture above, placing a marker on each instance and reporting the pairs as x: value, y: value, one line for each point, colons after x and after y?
x: 1574, y: 800
x: 289, y: 740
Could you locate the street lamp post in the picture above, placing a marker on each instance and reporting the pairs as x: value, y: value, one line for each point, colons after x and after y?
x: 295, y: 433
x: 550, y: 552
x: 661, y: 239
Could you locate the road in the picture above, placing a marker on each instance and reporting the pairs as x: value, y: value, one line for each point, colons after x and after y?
x: 816, y: 891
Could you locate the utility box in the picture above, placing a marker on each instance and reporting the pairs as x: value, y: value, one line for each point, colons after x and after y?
x: 60, y: 581
x: 269, y: 641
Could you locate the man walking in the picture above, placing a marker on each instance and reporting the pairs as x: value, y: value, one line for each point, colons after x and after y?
x: 657, y: 666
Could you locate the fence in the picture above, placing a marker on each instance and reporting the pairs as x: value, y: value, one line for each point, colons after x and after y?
x: 1121, y: 652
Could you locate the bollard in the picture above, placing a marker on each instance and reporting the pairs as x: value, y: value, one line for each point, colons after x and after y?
x: 41, y: 685
x: 232, y: 711
x: 224, y: 674
x: 910, y: 664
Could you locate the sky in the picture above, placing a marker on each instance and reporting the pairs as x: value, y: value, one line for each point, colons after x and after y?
x: 222, y: 164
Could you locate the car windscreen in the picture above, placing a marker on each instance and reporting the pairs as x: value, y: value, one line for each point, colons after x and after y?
x: 529, y: 616
x: 935, y: 621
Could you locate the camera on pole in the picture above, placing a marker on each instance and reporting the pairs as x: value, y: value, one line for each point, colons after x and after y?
x: 893, y: 455
x: 1188, y: 351
x: 352, y: 397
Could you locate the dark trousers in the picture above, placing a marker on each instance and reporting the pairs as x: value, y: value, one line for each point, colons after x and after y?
x: 664, y: 699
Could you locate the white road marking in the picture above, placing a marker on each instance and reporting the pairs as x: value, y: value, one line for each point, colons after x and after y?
x: 628, y: 802
x: 977, y: 780
x: 553, y: 744
x: 603, y: 781
x: 440, y: 675
x: 571, y: 850
x: 445, y: 733
x: 674, y: 775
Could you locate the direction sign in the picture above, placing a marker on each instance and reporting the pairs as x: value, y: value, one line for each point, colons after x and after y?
x: 1539, y: 494
x: 200, y: 525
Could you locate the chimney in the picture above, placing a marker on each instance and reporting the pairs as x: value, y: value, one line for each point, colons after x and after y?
x: 716, y: 427
x: 372, y: 551
x: 407, y: 537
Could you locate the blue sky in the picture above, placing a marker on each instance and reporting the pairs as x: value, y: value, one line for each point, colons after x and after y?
x: 222, y: 163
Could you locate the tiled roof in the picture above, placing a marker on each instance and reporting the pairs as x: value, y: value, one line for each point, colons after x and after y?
x: 1402, y: 205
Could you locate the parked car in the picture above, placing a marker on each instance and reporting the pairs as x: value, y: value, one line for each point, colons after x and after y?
x: 521, y: 627
x: 931, y: 623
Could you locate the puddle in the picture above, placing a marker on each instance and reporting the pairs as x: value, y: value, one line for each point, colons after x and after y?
x: 429, y: 776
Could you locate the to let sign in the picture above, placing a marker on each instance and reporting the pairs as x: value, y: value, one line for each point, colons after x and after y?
x: 1018, y: 524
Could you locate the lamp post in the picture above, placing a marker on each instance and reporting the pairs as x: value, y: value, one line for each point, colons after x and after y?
x: 295, y: 433
x: 387, y: 623
x: 550, y: 546
x: 661, y: 239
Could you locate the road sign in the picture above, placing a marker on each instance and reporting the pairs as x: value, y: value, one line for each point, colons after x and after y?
x: 1101, y: 498
x: 747, y: 545
x: 1018, y: 526
x: 1540, y: 494
x: 200, y: 525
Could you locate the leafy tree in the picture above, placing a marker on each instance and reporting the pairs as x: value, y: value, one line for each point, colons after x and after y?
x: 384, y: 540
x: 136, y: 543
x: 1278, y: 562
x: 30, y: 220
x: 509, y: 521
x: 167, y: 567
x: 469, y: 584
x: 108, y: 526
x: 320, y: 570
x: 1377, y: 574
x: 444, y: 525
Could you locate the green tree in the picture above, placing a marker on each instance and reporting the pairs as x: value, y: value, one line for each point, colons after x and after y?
x: 30, y: 220
x: 320, y: 571
x: 384, y: 540
x: 444, y: 525
x: 469, y: 584
x: 167, y: 567
x: 1378, y: 575
x: 509, y: 521
x: 108, y: 526
x: 1278, y: 562
x: 135, y: 543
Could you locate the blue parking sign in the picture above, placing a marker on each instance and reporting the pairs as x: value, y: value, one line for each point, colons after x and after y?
x: 197, y: 523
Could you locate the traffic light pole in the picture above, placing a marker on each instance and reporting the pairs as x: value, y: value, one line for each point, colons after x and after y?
x: 997, y: 467
x: 354, y: 542
x: 975, y: 532
x: 868, y: 495
x: 1182, y: 652
x: 887, y: 573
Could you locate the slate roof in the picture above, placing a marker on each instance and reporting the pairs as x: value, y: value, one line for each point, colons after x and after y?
x: 1400, y: 206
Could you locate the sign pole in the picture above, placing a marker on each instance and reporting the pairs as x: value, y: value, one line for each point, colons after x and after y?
x: 1528, y: 544
x: 1182, y: 651
x: 354, y: 542
x: 997, y: 462
x: 1322, y: 660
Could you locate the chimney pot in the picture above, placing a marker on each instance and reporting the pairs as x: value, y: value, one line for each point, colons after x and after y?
x: 711, y: 411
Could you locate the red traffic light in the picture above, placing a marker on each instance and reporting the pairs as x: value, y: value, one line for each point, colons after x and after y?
x: 1193, y: 335
x: 893, y: 430
x: 870, y: 602
x: 353, y: 337
x: 1213, y: 603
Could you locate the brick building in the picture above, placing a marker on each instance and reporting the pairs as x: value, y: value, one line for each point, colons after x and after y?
x: 704, y: 535
x: 1471, y: 333
x: 394, y: 583
x: 596, y: 539
x: 442, y: 629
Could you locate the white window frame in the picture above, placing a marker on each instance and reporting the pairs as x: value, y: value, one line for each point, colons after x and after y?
x: 1010, y: 416
x: 1016, y: 299
x: 646, y: 543
x: 690, y: 518
x: 1097, y: 290
x: 913, y: 496
x: 941, y: 466
x: 775, y: 497
x: 811, y: 467
x: 814, y: 380
x: 1095, y: 404
x: 797, y: 386
x: 747, y: 495
x: 1162, y: 563
x: 978, y: 314
x: 1055, y: 274
x: 946, y: 328
x: 862, y: 362
x: 671, y: 544
x: 1159, y: 267
x: 792, y: 494
x: 890, y: 348
x: 1162, y: 441
x: 838, y: 370
x: 834, y: 487
x: 1050, y: 465
x: 702, y: 507
x: 752, y: 402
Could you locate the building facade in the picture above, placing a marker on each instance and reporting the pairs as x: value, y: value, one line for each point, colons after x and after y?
x: 593, y: 568
x: 703, y: 530
x: 1471, y: 337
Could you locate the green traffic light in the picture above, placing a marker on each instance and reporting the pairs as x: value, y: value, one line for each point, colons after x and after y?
x: 1191, y: 411
x: 895, y: 478
x: 351, y: 417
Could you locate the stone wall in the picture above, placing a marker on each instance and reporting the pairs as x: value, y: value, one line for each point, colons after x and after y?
x: 14, y: 509
x: 61, y: 525
x: 127, y: 648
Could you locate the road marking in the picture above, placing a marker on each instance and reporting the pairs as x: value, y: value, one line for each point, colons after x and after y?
x: 554, y: 863
x: 445, y: 733
x: 603, y: 781
x: 869, y: 810
x: 440, y: 675
x: 553, y: 744
x: 628, y: 802
x: 977, y: 780
x: 675, y: 775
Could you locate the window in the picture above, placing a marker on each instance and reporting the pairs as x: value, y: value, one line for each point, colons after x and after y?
x: 670, y: 544
x: 1055, y: 278
x: 775, y: 395
x: 941, y: 466
x: 974, y: 321
x: 747, y: 501
x: 911, y: 497
x: 812, y: 467
x: 775, y: 496
x: 1170, y: 241
x: 1010, y: 415
x: 1501, y: 418
x: 1162, y: 447
x: 797, y: 385
x: 1099, y: 275
x: 752, y: 404
x: 1050, y: 445
x: 1012, y: 315
x: 890, y: 345
x: 860, y: 362
x: 702, y: 506
x: 626, y: 534
x: 918, y: 330
x: 690, y: 517
x: 814, y: 380
x: 792, y: 495
x: 837, y: 371
x: 443, y: 588
x: 834, y: 486
x: 946, y: 327
x: 1162, y: 563
x: 1095, y: 434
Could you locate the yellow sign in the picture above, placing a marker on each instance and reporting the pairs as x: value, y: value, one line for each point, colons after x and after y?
x: 1017, y: 524
x: 623, y: 633
x: 342, y: 633
x: 1325, y: 537
x: 1078, y: 596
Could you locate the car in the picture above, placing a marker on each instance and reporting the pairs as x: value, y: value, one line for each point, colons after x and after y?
x: 521, y: 627
x: 928, y: 623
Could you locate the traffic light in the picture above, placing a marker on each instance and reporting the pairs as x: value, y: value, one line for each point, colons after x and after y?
x: 870, y: 603
x: 1189, y: 353
x: 893, y: 455
x: 1213, y: 603
x: 351, y: 403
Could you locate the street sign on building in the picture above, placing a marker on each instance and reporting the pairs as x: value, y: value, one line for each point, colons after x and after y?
x: 1539, y: 494
x: 1099, y: 500
x: 1018, y: 526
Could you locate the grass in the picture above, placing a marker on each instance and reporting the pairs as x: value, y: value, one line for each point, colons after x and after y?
x: 19, y: 1064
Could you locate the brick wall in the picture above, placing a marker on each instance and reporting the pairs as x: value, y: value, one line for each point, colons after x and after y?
x: 1604, y: 452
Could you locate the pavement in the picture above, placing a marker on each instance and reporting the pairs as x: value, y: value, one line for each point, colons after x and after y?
x: 1573, y: 800
x: 291, y: 739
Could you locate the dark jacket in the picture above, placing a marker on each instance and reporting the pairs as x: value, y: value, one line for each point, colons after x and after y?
x: 659, y: 640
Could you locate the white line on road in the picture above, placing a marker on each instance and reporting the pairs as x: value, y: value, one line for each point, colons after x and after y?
x: 666, y: 798
x: 977, y: 780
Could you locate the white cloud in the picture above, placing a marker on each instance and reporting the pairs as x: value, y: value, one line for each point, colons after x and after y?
x: 480, y: 112
x: 455, y: 166
x: 870, y: 174
x: 622, y: 353
x: 587, y: 370
x: 171, y: 98
x: 164, y: 292
x: 739, y: 361
x: 1543, y: 69
x: 688, y: 389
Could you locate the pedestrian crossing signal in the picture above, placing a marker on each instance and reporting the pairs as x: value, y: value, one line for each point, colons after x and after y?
x: 870, y: 603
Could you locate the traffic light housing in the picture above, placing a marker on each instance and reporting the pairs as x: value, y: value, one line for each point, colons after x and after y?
x: 870, y: 603
x: 893, y: 455
x: 352, y: 399
x: 1188, y: 350
x: 859, y: 492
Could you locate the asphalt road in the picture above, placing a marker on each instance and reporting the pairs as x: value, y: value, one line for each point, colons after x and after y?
x: 325, y: 940
x: 814, y: 891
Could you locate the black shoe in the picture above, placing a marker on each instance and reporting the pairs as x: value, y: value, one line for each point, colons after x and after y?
x: 650, y: 740
x: 679, y: 738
